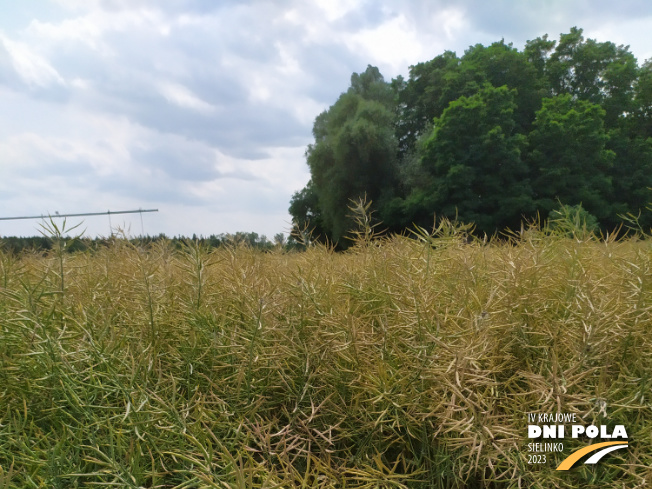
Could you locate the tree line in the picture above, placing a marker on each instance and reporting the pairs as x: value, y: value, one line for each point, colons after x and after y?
x: 40, y: 244
x: 493, y: 137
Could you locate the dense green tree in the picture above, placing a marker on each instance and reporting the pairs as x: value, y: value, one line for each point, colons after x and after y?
x: 642, y: 114
x: 433, y: 85
x: 537, y: 52
x: 568, y: 156
x: 353, y: 154
x: 430, y: 88
x: 473, y: 157
x: 502, y: 64
x: 306, y: 213
x: 599, y: 72
x: 631, y: 176
x: 631, y: 143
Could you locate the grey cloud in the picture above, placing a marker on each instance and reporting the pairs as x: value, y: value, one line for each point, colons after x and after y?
x: 245, y: 199
x: 184, y: 161
x: 197, y: 6
x: 330, y: 68
x: 531, y: 19
x: 178, y: 161
x: 8, y: 75
x: 126, y: 84
x: 41, y: 161
x: 148, y: 190
x: 51, y: 183
x: 242, y: 133
x: 367, y: 16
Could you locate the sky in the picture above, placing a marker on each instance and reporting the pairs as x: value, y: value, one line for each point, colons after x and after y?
x: 203, y: 109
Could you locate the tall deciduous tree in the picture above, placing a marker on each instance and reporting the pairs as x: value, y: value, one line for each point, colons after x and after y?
x: 474, y: 158
x: 537, y: 51
x: 599, y: 72
x: 631, y: 176
x: 353, y: 154
x: 431, y: 86
x: 643, y: 101
x: 568, y: 156
x: 501, y: 64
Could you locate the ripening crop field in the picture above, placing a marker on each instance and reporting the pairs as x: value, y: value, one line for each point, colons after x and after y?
x: 399, y: 363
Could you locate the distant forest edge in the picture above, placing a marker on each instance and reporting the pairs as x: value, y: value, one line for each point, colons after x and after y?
x: 51, y: 241
x: 494, y: 137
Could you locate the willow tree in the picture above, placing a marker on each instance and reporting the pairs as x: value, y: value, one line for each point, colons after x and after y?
x: 353, y: 154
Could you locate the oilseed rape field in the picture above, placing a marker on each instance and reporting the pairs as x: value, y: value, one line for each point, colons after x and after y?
x: 403, y: 362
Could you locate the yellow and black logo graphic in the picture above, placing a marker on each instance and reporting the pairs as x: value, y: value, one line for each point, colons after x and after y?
x: 601, y: 448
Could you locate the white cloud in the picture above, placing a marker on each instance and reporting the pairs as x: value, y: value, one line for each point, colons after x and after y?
x: 335, y: 9
x: 86, y: 30
x: 183, y: 97
x: 30, y: 66
x: 91, y: 27
x: 395, y: 43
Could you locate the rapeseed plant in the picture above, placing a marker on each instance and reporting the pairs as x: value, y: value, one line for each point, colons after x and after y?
x: 405, y: 362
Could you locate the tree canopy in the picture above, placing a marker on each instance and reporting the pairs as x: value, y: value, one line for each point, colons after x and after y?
x: 492, y: 137
x: 353, y: 155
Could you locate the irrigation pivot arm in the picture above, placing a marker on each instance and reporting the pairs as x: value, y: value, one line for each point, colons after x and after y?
x: 107, y: 213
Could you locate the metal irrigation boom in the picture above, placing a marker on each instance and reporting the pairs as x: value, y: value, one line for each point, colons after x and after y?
x: 84, y: 214
x: 107, y: 213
